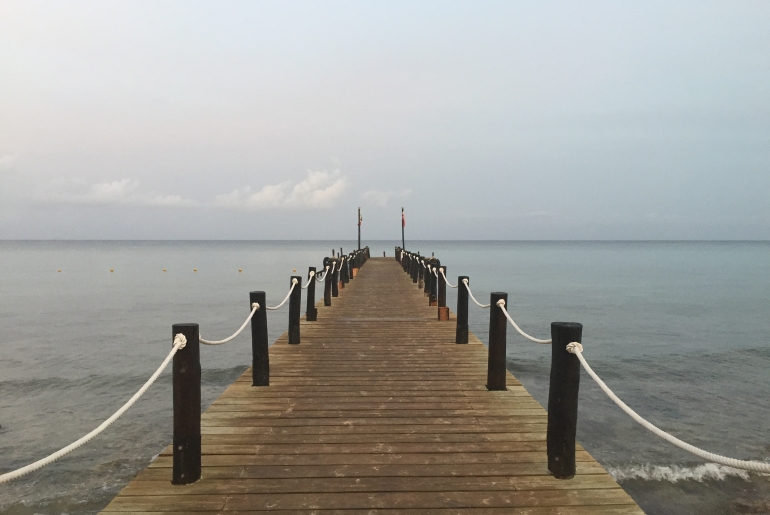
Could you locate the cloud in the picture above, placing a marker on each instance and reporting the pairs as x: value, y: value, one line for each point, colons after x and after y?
x: 6, y: 161
x: 381, y: 198
x: 320, y: 190
x: 125, y: 192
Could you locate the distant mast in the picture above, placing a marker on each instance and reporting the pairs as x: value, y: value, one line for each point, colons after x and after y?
x: 403, y: 224
x: 359, y: 228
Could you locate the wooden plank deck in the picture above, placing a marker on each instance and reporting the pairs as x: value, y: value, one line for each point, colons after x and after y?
x: 377, y: 411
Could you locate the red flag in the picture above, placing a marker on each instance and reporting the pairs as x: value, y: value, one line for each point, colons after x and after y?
x: 403, y: 219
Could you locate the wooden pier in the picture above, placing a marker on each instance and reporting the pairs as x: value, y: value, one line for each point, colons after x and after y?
x: 377, y: 411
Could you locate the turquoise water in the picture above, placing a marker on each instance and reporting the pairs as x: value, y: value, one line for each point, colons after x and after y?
x: 677, y: 329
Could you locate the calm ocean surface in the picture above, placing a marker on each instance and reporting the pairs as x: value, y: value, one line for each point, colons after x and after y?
x: 678, y: 329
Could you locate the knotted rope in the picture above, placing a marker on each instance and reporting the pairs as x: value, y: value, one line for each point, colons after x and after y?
x: 293, y: 284
x: 179, y: 343
x: 501, y: 305
x: 754, y: 466
x: 479, y: 304
x: 254, y: 308
x: 446, y: 280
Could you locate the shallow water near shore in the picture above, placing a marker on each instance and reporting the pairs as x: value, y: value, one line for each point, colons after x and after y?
x: 677, y: 329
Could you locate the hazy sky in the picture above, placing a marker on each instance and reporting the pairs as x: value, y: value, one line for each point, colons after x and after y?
x: 485, y: 120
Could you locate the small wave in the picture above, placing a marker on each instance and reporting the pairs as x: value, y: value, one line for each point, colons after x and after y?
x: 674, y: 473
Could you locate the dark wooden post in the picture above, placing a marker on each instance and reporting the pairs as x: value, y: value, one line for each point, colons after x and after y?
x: 426, y: 272
x: 443, y: 309
x: 420, y: 273
x: 186, y: 380
x: 336, y: 279
x: 295, y: 304
x: 433, y: 300
x: 461, y: 334
x: 441, y: 287
x: 311, y: 312
x: 497, y: 332
x: 260, y: 357
x: 415, y: 264
x: 328, y: 282
x: 563, y: 399
x: 341, y: 283
x: 346, y: 271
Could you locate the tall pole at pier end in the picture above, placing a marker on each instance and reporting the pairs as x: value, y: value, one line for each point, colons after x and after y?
x: 359, y: 228
x: 403, y: 224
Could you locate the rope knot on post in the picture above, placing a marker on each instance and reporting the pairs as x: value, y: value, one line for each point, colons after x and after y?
x: 500, y: 303
x: 180, y: 340
x: 255, y: 306
x: 574, y: 347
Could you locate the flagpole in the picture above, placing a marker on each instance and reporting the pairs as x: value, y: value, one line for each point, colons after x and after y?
x: 403, y: 245
x: 359, y: 228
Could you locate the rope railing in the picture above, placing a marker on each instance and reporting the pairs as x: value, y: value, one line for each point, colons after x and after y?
x: 179, y: 343
x: 309, y: 280
x: 447, y: 280
x: 754, y: 466
x: 254, y: 308
x: 322, y: 275
x: 501, y: 305
x: 470, y: 293
x: 293, y: 284
x: 186, y: 386
x: 567, y: 378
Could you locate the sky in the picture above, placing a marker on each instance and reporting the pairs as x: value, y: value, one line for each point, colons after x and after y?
x: 484, y: 120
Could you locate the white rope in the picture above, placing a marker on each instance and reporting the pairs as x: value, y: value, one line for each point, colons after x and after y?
x: 446, y: 280
x: 309, y: 279
x: 254, y: 308
x: 501, y: 304
x: 422, y: 263
x: 179, y: 342
x: 479, y: 304
x: 322, y: 276
x: 434, y: 272
x: 755, y: 466
x: 293, y: 284
x: 333, y: 265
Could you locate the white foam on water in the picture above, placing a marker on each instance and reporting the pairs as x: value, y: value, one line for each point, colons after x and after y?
x: 674, y: 473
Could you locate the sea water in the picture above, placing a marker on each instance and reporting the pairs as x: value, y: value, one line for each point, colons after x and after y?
x: 678, y: 330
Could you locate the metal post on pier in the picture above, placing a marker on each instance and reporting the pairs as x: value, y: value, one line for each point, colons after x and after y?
x: 260, y: 357
x: 443, y: 310
x: 497, y: 333
x: 311, y: 312
x: 563, y: 399
x: 461, y: 334
x: 186, y: 381
x: 295, y: 304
